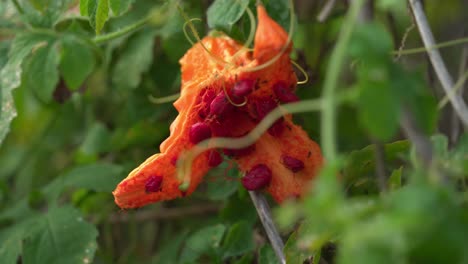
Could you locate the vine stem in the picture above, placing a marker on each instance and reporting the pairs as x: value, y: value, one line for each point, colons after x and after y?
x: 436, y: 46
x: 331, y: 81
x: 437, y: 62
x: 119, y: 33
x: 264, y: 213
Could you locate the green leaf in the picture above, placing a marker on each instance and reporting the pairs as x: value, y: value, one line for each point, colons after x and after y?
x: 374, y: 242
x: 20, y: 48
x: 77, y: 62
x: 279, y: 10
x: 44, y: 13
x: 10, y: 75
x: 92, y: 10
x: 413, y: 93
x: 134, y: 60
x: 62, y: 237
x: 371, y: 43
x: 4, y: 48
x: 245, y: 259
x: 220, y: 188
x: 394, y: 182
x: 84, y: 7
x: 96, y: 140
x: 379, y: 109
x: 394, y: 6
x: 201, y: 242
x: 267, y: 255
x: 115, y: 6
x: 239, y: 239
x: 40, y: 72
x: 98, y: 13
x: 223, y: 14
x: 102, y: 13
x: 239, y: 208
x: 287, y: 215
x: 424, y: 109
x: 99, y: 177
x: 118, y: 7
x: 39, y: 4
x: 291, y: 252
x: 440, y: 146
x: 360, y: 163
x: 10, y: 248
x: 169, y: 251
x: 459, y: 156
x: 11, y: 240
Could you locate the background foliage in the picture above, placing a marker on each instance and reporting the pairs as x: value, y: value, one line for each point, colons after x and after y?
x: 79, y: 90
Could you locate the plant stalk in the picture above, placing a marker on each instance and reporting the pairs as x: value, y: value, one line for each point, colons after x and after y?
x: 439, y: 66
x: 264, y: 212
x: 328, y: 126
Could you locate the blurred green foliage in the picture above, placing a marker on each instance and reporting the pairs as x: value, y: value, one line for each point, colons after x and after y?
x: 75, y: 119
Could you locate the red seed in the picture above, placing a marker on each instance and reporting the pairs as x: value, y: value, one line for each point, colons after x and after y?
x: 153, y: 184
x: 264, y: 106
x: 284, y: 94
x: 243, y: 88
x: 199, y: 132
x: 257, y: 178
x: 293, y: 164
x: 214, y: 158
x: 220, y: 106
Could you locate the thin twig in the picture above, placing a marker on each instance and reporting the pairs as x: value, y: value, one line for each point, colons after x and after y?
x: 326, y: 11
x: 439, y: 45
x: 436, y: 60
x: 264, y: 213
x: 403, y: 39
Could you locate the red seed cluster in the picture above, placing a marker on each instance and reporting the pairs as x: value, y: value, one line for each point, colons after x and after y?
x: 217, y: 110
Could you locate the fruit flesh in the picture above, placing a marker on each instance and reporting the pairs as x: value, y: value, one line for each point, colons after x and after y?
x: 202, y: 74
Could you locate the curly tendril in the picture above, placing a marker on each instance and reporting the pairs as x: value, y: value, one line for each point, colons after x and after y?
x: 306, y: 76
